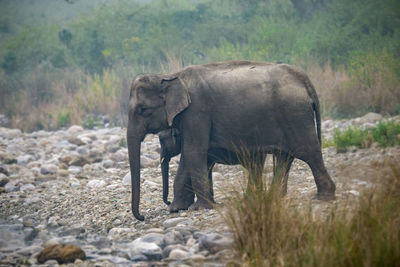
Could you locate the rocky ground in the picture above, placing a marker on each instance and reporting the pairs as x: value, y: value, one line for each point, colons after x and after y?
x: 72, y: 187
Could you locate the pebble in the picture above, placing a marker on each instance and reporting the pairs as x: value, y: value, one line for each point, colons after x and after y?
x: 48, y: 169
x: 96, y: 184
x: 173, y: 222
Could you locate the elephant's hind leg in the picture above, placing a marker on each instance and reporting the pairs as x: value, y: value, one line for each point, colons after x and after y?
x: 282, y: 163
x: 325, y: 186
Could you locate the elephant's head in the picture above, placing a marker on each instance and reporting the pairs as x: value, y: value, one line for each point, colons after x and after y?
x: 154, y: 102
x: 170, y: 142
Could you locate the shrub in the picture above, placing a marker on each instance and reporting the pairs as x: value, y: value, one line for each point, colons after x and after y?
x: 353, y: 136
x: 269, y: 230
x: 63, y: 118
x: 385, y: 134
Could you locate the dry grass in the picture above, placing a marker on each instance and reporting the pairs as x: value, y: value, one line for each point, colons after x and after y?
x: 270, y: 231
x: 370, y: 83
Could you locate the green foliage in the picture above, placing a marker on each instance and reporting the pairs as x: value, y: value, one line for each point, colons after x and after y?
x: 353, y: 136
x: 385, y: 133
x: 64, y: 118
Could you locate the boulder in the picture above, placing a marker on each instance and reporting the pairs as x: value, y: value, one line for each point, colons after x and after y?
x: 62, y: 253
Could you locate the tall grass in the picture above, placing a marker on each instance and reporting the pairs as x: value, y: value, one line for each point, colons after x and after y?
x: 269, y: 230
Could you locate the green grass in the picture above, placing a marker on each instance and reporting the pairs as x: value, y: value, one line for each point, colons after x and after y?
x: 385, y: 134
x: 269, y: 230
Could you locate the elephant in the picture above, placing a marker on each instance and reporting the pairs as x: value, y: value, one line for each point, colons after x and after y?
x: 244, y: 106
x: 170, y: 142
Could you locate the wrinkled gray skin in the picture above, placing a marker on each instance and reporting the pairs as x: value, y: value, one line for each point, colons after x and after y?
x: 170, y: 142
x: 251, y: 108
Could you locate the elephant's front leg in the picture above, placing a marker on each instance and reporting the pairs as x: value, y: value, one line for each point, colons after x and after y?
x: 183, y: 191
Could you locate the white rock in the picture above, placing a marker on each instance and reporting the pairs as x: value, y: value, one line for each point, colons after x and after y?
x: 48, y: 169
x: 27, y: 187
x: 168, y: 223
x: 371, y: 117
x: 150, y: 250
x: 96, y: 183
x: 12, y: 186
x: 74, y: 129
x: 74, y: 169
x: 24, y: 160
x: 116, y: 233
x: 127, y: 179
x: 53, y: 221
x: 178, y: 254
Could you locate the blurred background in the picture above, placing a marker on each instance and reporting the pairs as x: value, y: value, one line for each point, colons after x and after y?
x: 65, y: 62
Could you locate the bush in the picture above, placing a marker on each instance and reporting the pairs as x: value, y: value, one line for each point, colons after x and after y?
x: 385, y: 134
x: 64, y: 118
x: 269, y: 230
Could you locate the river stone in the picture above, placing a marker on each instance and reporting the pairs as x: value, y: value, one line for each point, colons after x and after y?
x: 27, y: 187
x: 168, y: 223
x: 150, y: 250
x: 155, y: 238
x: 12, y: 186
x: 118, y: 233
x: 74, y: 129
x: 65, y: 253
x: 48, y: 169
x: 178, y: 254
x: 76, y: 141
x: 127, y: 179
x: 214, y: 242
x: 96, y: 184
x: 24, y: 160
x: 108, y: 163
x: 371, y: 117
x: 3, y: 180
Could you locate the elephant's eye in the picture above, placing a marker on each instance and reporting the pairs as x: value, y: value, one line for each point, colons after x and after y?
x: 145, y: 112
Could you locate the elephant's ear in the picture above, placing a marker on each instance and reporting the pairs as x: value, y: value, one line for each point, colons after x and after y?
x: 176, y: 97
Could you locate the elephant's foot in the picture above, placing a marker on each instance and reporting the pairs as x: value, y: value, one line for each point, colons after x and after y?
x: 201, y: 204
x: 325, y: 196
x: 179, y: 205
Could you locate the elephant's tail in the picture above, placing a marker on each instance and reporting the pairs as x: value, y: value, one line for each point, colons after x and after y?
x: 311, y: 93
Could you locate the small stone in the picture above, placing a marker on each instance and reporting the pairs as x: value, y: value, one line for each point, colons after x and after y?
x: 178, y: 254
x: 79, y: 161
x: 155, y: 230
x: 12, y: 186
x: 96, y: 184
x: 76, y: 141
x: 3, y: 180
x: 61, y: 253
x: 24, y: 160
x: 74, y: 129
x: 173, y: 222
x: 197, y: 258
x: 75, y: 169
x: 214, y: 242
x: 127, y: 179
x: 27, y: 187
x: 156, y: 238
x: 108, y: 163
x: 117, y: 233
x: 53, y: 221
x: 150, y: 250
x: 48, y: 169
x: 146, y: 162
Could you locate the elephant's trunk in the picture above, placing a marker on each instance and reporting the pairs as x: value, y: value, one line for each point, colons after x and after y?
x: 134, y: 161
x: 165, y: 178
